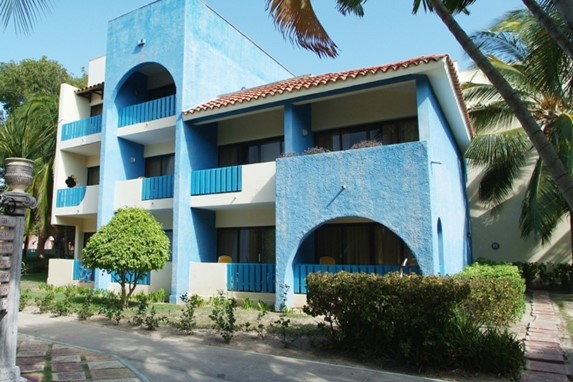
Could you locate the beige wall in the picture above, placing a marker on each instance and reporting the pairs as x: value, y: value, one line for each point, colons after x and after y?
x: 503, y: 228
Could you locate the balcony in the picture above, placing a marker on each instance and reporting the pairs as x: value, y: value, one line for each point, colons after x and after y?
x: 147, y: 111
x: 77, y: 201
x: 81, y: 128
x: 83, y: 136
x: 149, y: 122
x: 233, y: 187
x: 154, y: 193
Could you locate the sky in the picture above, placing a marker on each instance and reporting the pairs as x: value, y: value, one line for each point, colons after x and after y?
x: 74, y: 32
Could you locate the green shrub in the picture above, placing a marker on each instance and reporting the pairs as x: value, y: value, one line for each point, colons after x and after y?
x: 187, y: 320
x: 497, y: 293
x: 25, y: 297
x: 420, y: 321
x: 87, y: 309
x: 404, y: 316
x: 63, y: 307
x: 223, y: 316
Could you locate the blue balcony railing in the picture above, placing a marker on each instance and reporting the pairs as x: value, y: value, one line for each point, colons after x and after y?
x: 147, y: 111
x: 245, y: 277
x: 82, y: 273
x: 302, y: 270
x: 157, y: 187
x: 145, y: 280
x: 70, y: 197
x: 81, y: 128
x: 216, y: 180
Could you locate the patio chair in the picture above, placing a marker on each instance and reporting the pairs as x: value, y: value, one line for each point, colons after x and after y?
x: 327, y: 260
x: 225, y: 259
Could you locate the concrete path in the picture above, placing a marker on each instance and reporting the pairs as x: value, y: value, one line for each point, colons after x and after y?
x: 148, y: 358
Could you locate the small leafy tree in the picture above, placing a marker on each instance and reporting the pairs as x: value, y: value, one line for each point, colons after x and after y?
x: 130, y: 245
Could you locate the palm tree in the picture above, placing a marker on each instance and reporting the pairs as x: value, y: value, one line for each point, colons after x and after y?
x: 297, y: 20
x: 23, y: 13
x: 540, y: 72
x: 30, y: 132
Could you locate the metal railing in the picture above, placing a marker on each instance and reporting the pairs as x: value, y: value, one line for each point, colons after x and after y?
x: 157, y: 187
x: 81, y: 128
x: 70, y: 197
x: 147, y: 111
x: 216, y: 180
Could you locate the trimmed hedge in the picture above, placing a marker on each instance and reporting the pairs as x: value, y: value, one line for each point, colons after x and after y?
x: 497, y: 296
x: 417, y: 320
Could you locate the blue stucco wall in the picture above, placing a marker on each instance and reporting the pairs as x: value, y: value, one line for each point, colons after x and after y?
x: 448, y: 191
x: 205, y: 57
x: 386, y: 184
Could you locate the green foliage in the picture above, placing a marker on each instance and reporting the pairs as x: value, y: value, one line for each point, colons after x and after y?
x: 46, y: 303
x: 223, y: 316
x: 21, y: 80
x: 478, y: 349
x: 497, y: 295
x: 112, y: 307
x: 87, y: 310
x: 247, y: 303
x: 131, y: 244
x: 187, y: 321
x: 420, y: 321
x: 25, y: 297
x: 63, y: 307
x: 547, y: 275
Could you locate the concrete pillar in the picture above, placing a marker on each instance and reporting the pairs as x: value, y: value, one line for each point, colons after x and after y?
x: 12, y: 208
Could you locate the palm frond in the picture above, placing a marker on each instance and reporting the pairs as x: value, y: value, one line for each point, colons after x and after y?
x: 298, y: 22
x: 22, y: 13
x: 350, y: 7
x: 543, y: 207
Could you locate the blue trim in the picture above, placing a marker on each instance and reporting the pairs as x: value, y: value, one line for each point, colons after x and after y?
x: 82, y: 128
x: 158, y: 187
x: 247, y: 277
x: 217, y: 180
x: 147, y: 111
x: 70, y: 197
x: 81, y: 273
x: 145, y: 280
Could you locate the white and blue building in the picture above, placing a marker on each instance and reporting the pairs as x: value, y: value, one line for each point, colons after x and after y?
x: 188, y: 118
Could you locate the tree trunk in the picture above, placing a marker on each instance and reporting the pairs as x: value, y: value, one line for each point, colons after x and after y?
x: 549, y: 24
x: 571, y: 233
x: 546, y: 151
x: 565, y: 9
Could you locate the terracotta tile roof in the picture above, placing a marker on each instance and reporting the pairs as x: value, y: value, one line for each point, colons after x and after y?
x: 306, y: 82
x: 87, y: 89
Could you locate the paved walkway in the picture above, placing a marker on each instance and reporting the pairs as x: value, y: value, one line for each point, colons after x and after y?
x: 545, y: 357
x: 116, y: 356
x: 42, y: 360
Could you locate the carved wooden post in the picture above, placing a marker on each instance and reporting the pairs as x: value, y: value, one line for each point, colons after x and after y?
x: 13, y: 206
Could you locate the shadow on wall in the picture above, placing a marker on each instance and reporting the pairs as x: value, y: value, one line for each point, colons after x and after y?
x: 496, y: 235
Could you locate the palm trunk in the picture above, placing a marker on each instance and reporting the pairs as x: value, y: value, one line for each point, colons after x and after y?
x: 546, y: 151
x: 565, y: 9
x: 549, y: 24
x: 571, y: 233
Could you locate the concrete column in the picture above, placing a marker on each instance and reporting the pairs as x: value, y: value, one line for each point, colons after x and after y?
x: 12, y: 208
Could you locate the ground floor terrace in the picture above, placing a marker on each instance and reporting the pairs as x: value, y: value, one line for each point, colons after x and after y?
x: 246, y: 263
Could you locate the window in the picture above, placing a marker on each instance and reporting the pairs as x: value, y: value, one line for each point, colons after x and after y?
x: 405, y: 130
x: 247, y: 245
x: 160, y: 165
x: 93, y: 176
x: 96, y: 110
x: 251, y: 152
x: 360, y: 244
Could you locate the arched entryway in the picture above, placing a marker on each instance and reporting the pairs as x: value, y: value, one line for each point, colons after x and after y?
x: 352, y: 245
